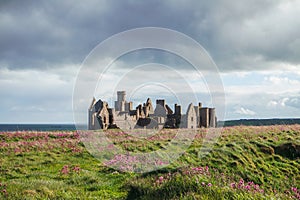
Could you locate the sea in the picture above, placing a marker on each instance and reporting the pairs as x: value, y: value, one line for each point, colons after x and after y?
x: 41, y: 127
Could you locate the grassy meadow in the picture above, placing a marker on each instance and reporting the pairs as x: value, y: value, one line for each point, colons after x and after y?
x: 246, y: 162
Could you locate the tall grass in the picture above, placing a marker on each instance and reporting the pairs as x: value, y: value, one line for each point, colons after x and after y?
x: 245, y: 163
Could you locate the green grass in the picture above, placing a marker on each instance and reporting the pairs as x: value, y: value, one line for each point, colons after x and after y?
x: 32, y: 163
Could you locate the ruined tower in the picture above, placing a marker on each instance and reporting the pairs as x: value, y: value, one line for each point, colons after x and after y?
x: 204, y: 117
x: 120, y: 103
x: 123, y: 116
x: 212, y: 117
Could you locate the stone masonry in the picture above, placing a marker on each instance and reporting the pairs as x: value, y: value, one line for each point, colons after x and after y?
x: 123, y: 116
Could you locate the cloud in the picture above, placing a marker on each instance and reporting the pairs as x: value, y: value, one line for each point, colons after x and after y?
x: 293, y: 102
x: 276, y: 80
x: 240, y: 35
x: 272, y: 103
x: 272, y: 94
x: 33, y: 96
x: 282, y: 102
x: 244, y: 111
x: 254, y: 43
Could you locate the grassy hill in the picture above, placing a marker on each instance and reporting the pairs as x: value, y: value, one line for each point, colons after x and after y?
x: 246, y: 162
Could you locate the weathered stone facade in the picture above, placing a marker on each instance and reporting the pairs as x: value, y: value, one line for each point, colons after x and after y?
x: 100, y: 116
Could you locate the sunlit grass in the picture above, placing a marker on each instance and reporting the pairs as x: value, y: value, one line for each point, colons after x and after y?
x: 245, y: 163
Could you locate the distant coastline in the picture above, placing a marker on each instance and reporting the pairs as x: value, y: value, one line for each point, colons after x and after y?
x: 72, y: 127
x: 259, y: 122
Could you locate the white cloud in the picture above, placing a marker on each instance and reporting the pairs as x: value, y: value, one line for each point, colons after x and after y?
x: 282, y: 80
x: 244, y: 111
x: 272, y: 103
x: 283, y: 101
x: 271, y: 94
x: 35, y: 96
x: 280, y: 102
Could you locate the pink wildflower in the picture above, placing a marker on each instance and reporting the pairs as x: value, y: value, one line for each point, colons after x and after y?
x: 76, y: 169
x: 241, y: 184
x: 241, y: 181
x: 248, y: 187
x: 161, y: 178
x: 232, y: 185
x: 65, y: 169
x: 294, y: 189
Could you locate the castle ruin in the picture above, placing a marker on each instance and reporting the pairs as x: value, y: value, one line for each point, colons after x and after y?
x: 123, y: 116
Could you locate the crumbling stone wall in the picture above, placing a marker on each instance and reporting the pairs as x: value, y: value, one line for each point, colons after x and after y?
x: 100, y: 116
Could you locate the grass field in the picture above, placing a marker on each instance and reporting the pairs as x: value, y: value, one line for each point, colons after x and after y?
x: 245, y: 163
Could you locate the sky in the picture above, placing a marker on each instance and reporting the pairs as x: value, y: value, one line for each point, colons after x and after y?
x: 254, y: 44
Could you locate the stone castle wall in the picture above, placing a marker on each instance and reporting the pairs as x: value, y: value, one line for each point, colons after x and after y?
x: 100, y: 116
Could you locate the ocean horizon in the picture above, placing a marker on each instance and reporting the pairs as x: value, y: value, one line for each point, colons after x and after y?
x: 72, y: 127
x: 41, y: 127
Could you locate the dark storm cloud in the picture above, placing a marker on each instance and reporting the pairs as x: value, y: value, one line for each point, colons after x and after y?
x: 241, y: 35
x: 32, y: 35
